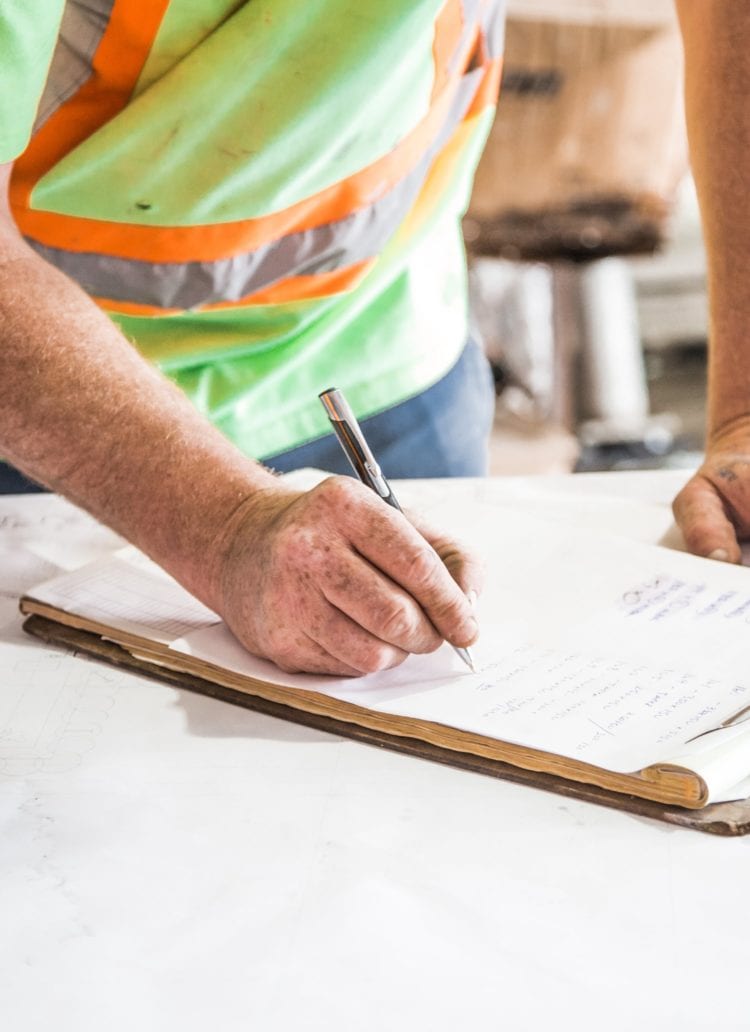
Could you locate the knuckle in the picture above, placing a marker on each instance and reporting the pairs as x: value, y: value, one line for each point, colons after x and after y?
x: 375, y: 658
x: 404, y: 627
x: 431, y: 644
x: 450, y: 612
x: 337, y: 492
x: 422, y: 568
x: 397, y: 621
x: 342, y: 502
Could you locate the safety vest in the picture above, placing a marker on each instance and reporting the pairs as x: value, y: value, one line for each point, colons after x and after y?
x: 183, y: 183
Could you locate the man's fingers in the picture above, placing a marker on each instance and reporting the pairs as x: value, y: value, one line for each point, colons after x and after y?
x: 465, y: 566
x: 701, y: 516
x: 390, y: 543
x: 354, y: 586
x: 301, y: 654
x: 351, y: 644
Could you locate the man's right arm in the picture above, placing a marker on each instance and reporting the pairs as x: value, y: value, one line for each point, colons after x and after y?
x: 330, y: 580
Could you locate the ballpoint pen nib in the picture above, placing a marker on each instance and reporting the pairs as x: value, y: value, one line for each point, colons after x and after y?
x: 467, y: 657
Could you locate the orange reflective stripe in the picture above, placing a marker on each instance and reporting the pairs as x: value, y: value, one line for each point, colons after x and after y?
x: 296, y: 288
x: 226, y: 239
x: 449, y: 26
x: 444, y: 167
x: 489, y: 87
x: 116, y: 65
x: 454, y: 48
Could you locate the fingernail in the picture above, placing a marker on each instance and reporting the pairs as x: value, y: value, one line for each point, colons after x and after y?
x: 720, y: 554
x: 472, y: 628
x: 471, y: 598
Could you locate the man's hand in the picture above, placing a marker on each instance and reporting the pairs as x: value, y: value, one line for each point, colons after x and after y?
x: 333, y: 581
x: 713, y: 509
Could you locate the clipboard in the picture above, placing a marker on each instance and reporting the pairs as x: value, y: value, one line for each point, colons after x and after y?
x: 726, y: 819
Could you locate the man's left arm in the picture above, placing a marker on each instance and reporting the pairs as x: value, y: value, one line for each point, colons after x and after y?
x: 713, y: 510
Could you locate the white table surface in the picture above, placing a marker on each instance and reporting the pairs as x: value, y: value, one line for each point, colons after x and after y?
x: 168, y: 862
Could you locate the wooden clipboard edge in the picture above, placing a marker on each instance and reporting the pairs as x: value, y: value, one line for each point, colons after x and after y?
x: 726, y: 819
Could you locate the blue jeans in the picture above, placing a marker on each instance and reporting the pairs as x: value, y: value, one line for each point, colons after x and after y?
x: 442, y: 432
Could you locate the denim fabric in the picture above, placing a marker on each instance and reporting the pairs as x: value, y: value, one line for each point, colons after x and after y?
x: 13, y: 482
x: 443, y: 432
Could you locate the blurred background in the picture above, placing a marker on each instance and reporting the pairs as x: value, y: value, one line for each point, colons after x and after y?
x: 587, y: 273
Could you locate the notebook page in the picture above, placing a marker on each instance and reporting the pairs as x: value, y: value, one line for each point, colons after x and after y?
x: 722, y: 758
x: 128, y: 593
x: 603, y: 650
x: 608, y: 651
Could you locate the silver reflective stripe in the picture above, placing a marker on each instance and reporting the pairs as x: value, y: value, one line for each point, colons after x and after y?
x: 336, y: 245
x: 493, y: 25
x: 84, y: 22
x: 490, y: 14
x: 470, y: 12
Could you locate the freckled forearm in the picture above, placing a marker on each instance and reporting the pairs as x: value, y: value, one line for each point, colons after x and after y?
x: 86, y: 415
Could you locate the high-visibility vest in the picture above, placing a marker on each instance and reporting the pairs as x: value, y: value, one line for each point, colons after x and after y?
x: 148, y: 186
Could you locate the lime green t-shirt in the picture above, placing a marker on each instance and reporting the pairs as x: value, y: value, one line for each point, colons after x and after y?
x: 240, y: 111
x: 27, y: 39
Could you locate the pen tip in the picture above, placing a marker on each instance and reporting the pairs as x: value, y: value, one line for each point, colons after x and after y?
x: 467, y: 657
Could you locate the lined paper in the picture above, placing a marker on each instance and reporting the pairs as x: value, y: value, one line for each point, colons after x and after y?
x: 131, y: 594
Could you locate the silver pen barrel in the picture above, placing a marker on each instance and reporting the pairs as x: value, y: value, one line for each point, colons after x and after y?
x: 356, y: 448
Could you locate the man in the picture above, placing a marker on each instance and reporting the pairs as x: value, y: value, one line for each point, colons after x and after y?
x: 265, y: 197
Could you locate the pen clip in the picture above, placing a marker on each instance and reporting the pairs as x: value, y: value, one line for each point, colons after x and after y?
x: 355, y: 446
x: 377, y: 479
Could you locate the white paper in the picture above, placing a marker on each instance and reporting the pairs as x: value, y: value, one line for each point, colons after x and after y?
x: 53, y: 706
x: 50, y: 533
x: 612, y: 652
x: 130, y: 593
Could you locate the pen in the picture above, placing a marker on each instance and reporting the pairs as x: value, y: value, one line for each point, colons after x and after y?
x: 357, y: 450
